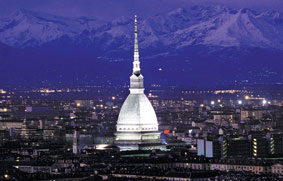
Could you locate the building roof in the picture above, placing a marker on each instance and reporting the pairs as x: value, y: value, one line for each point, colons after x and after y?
x: 137, y: 110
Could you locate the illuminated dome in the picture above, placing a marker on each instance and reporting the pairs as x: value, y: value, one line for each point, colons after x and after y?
x: 137, y: 122
x: 137, y: 113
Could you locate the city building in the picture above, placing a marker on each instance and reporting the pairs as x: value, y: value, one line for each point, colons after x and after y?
x: 212, y: 148
x: 76, y: 142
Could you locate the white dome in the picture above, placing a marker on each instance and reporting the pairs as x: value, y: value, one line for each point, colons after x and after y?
x: 137, y: 122
x: 136, y: 114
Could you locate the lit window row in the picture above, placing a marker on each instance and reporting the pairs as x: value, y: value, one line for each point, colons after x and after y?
x: 152, y: 128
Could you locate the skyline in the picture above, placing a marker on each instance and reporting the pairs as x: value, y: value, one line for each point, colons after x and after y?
x: 170, y: 93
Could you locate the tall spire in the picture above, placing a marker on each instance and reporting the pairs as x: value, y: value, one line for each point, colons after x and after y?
x: 136, y: 63
x: 136, y: 80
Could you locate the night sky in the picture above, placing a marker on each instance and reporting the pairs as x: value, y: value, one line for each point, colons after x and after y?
x: 108, y: 9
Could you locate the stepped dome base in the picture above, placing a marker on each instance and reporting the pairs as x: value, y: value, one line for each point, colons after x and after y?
x: 134, y: 140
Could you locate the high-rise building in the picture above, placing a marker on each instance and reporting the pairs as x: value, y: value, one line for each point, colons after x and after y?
x: 76, y: 142
x: 212, y: 148
x: 260, y: 145
x: 275, y: 141
x: 238, y: 146
x: 137, y: 123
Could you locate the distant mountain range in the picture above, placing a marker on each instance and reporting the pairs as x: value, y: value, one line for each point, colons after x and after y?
x: 199, y: 46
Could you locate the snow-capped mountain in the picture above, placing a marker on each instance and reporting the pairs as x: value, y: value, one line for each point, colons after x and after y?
x: 28, y: 29
x: 196, y: 46
x: 209, y: 26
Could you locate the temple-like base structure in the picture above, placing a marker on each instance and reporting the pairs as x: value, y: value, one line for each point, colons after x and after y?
x: 138, y: 140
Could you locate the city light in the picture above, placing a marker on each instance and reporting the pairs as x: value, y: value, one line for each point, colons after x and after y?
x: 2, y: 91
x: 240, y: 102
x: 101, y: 146
x: 264, y: 102
x: 231, y: 91
x: 212, y: 102
x: 166, y: 131
x: 6, y: 176
x: 47, y: 91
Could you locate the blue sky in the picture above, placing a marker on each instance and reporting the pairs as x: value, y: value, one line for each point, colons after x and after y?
x: 108, y: 9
